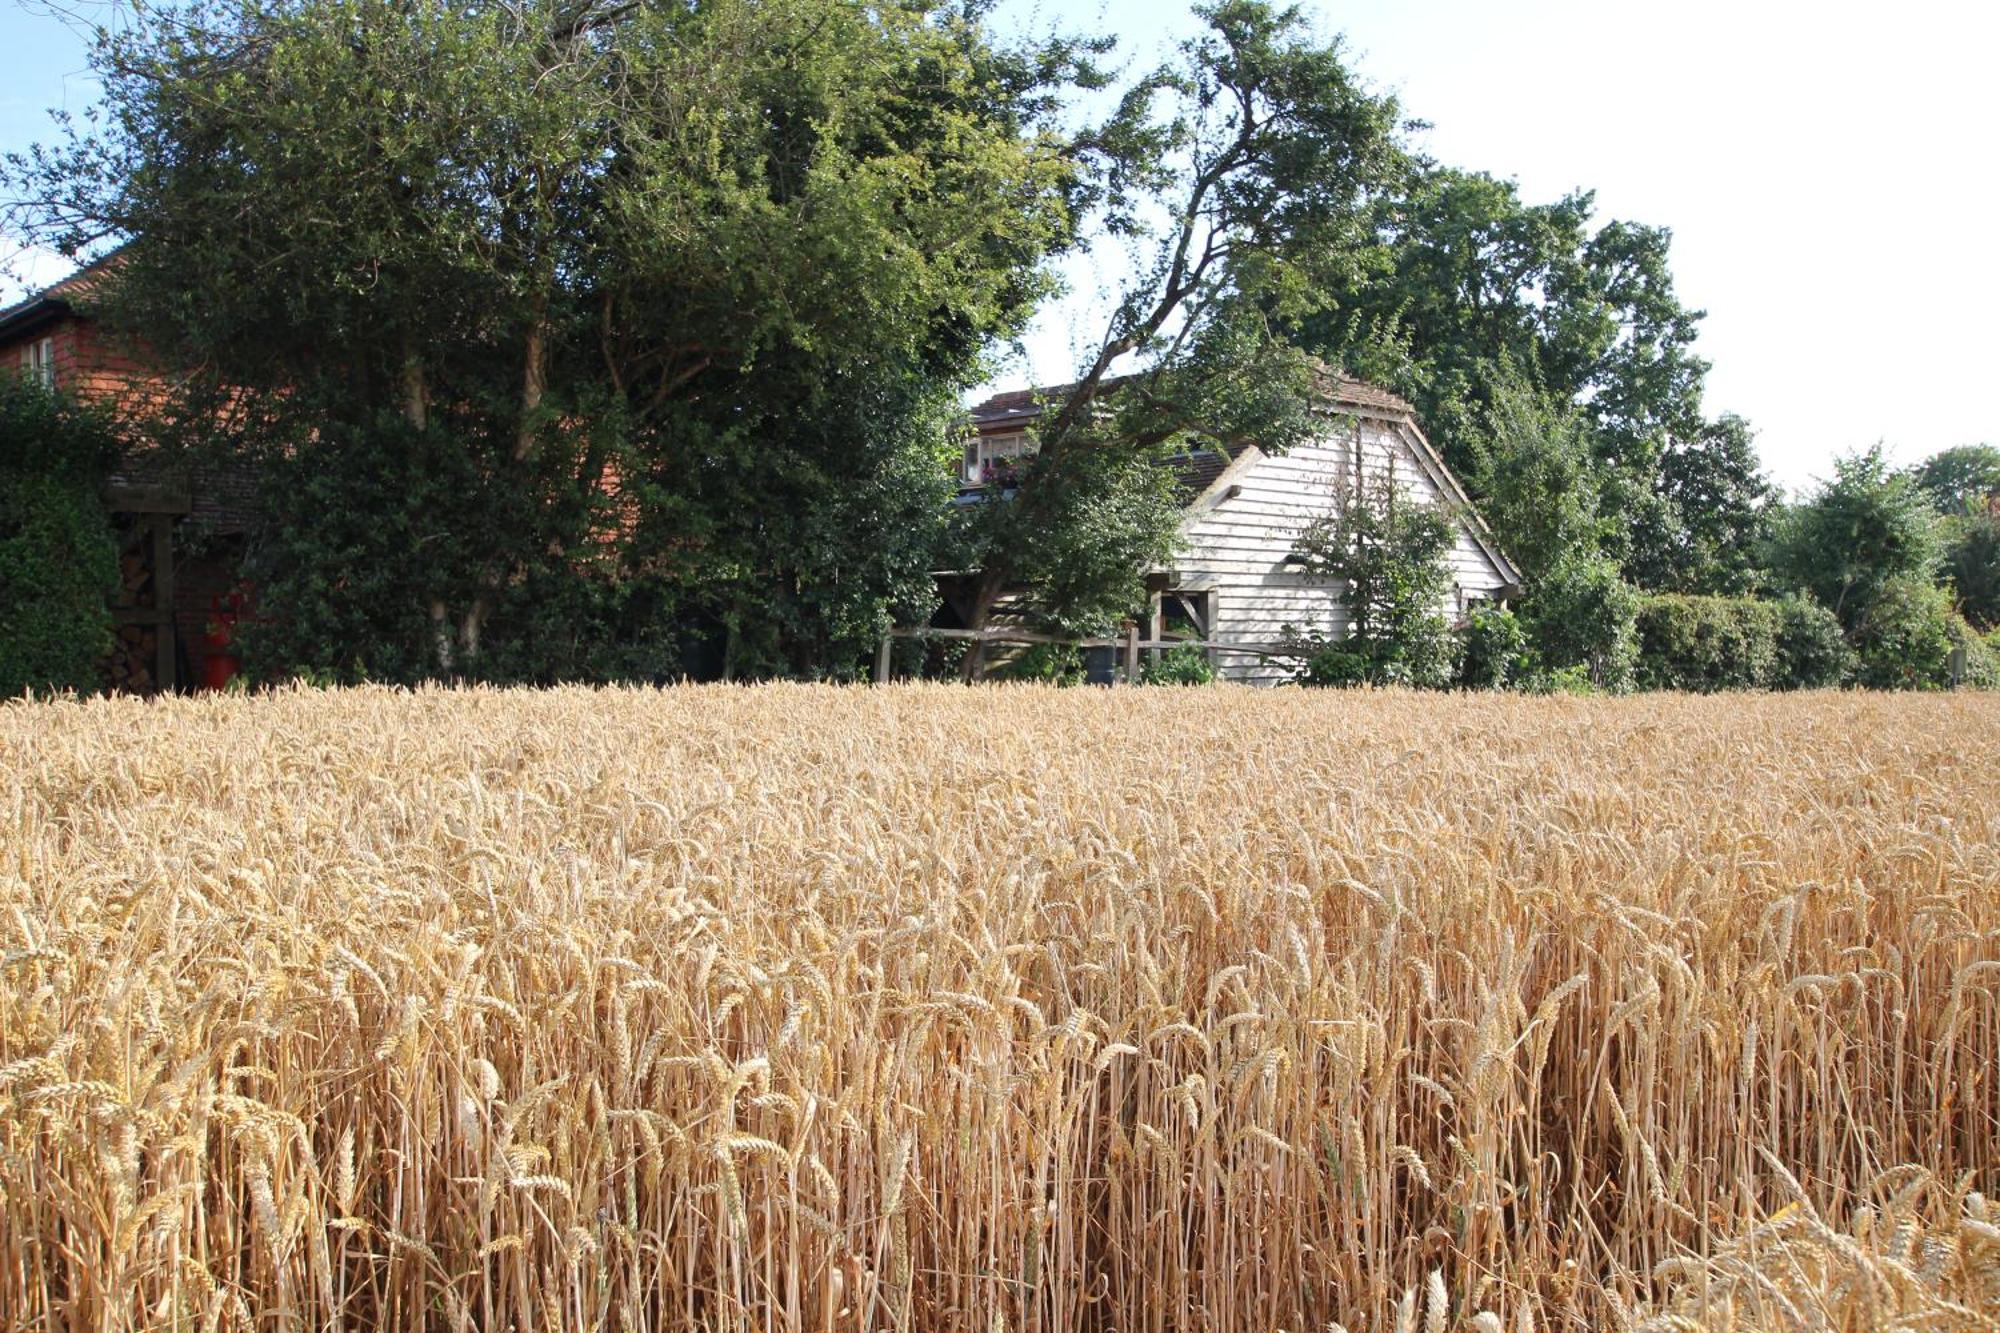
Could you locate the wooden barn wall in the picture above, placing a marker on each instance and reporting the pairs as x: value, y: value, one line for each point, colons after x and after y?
x: 1239, y: 548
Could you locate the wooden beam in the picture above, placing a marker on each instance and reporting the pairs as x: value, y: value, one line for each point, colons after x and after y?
x: 163, y: 598
x: 147, y: 498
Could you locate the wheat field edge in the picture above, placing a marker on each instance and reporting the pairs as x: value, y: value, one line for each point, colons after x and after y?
x: 1007, y: 1008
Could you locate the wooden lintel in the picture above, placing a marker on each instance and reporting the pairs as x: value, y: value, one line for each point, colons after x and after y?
x: 148, y: 498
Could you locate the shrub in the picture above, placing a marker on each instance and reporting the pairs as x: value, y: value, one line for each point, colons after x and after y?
x: 1492, y: 649
x: 1981, y: 668
x: 1812, y: 651
x: 1056, y: 663
x: 1584, y: 615
x: 58, y: 556
x: 1904, y: 638
x: 1185, y: 665
x: 1387, y: 554
x: 1704, y: 644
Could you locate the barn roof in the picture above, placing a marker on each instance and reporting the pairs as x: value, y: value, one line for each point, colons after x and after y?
x: 1195, y: 469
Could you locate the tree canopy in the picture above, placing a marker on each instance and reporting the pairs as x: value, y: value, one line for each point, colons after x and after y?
x: 616, y: 287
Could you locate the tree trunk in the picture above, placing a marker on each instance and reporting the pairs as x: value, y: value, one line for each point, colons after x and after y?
x: 441, y: 642
x: 416, y: 393
x: 534, y: 382
x: 470, y: 627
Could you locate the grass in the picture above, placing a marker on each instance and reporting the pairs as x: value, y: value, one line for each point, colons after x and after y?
x: 935, y: 1008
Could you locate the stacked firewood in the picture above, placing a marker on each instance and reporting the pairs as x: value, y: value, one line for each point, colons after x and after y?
x: 129, y: 666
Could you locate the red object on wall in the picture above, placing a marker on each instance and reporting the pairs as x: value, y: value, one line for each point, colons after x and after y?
x: 219, y: 663
x: 218, y: 669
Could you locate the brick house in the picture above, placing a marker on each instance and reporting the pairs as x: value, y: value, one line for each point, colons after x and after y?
x: 180, y: 537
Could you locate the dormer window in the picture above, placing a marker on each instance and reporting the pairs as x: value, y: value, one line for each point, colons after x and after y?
x: 995, y: 459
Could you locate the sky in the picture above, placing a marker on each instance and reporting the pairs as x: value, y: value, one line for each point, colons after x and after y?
x: 1830, y: 172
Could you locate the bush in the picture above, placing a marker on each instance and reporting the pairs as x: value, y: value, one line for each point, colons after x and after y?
x: 1492, y: 649
x: 1426, y: 659
x: 1185, y: 665
x: 1812, y: 651
x: 1584, y: 615
x: 1904, y: 638
x: 1705, y: 644
x: 1982, y: 661
x: 58, y: 555
x: 1055, y: 663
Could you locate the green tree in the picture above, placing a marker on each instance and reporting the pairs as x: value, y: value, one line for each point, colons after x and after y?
x: 1904, y: 635
x: 1583, y: 616
x: 1961, y: 479
x: 1715, y: 507
x: 597, y: 280
x: 1468, y: 292
x: 1540, y: 490
x: 1386, y: 555
x: 1241, y: 175
x: 1972, y: 563
x: 58, y: 557
x: 1466, y: 279
x: 1864, y: 529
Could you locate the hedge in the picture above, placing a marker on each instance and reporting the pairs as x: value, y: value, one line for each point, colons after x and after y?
x: 58, y: 555
x: 1706, y: 644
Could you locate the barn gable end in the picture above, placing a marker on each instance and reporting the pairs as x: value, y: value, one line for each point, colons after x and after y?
x: 1238, y: 538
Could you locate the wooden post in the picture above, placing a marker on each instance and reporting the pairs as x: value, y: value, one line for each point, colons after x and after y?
x: 882, y: 660
x: 163, y: 602
x: 1131, y: 652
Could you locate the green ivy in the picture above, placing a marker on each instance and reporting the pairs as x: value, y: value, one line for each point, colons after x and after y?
x: 58, y: 555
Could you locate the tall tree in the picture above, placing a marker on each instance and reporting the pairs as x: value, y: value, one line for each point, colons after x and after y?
x: 1466, y: 279
x: 576, y: 270
x: 1860, y: 532
x: 1243, y: 175
x: 1468, y: 289
x: 1714, y: 505
x: 1967, y: 477
x: 1964, y: 485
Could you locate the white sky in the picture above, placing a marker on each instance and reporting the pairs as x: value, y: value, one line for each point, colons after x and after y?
x: 1831, y: 173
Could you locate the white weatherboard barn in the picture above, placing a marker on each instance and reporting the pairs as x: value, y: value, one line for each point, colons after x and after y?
x: 1236, y: 580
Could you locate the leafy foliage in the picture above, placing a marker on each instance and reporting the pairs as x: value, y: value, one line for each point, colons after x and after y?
x: 1531, y: 463
x: 661, y: 297
x: 1812, y: 651
x: 1980, y: 667
x: 1493, y: 648
x: 1385, y: 555
x: 1583, y: 616
x: 1705, y: 644
x: 1863, y: 532
x: 58, y: 556
x: 1972, y: 562
x: 1183, y: 665
x: 1904, y: 636
x: 1711, y: 514
x: 1963, y: 479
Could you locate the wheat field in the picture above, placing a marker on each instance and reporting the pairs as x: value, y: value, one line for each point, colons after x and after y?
x: 1003, y: 1008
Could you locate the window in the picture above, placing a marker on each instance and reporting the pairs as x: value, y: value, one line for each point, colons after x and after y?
x: 1185, y: 613
x: 994, y: 458
x: 38, y: 362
